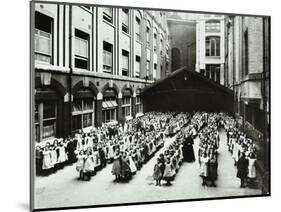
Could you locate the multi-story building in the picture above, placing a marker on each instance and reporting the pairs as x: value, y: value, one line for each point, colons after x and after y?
x: 182, y: 30
x: 197, y: 42
x: 210, y: 37
x: 247, y: 74
x: 91, y: 64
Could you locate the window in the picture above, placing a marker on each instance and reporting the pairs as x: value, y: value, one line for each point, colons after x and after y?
x: 154, y: 70
x: 107, y: 57
x: 147, y: 37
x: 82, y: 113
x: 109, y: 109
x: 87, y: 7
x: 125, y: 20
x: 81, y: 49
x: 213, y: 46
x: 161, y: 47
x: 147, y: 67
x: 43, y: 38
x: 213, y: 72
x: 108, y: 14
x: 109, y: 115
x: 137, y: 66
x: 138, y: 29
x: 126, y: 106
x: 125, y: 63
x: 155, y: 66
x: 139, y: 106
x: 49, y: 119
x: 213, y: 26
x: 155, y: 42
x: 246, y: 53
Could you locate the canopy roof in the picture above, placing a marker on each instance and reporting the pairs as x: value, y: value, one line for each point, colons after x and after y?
x: 185, y: 90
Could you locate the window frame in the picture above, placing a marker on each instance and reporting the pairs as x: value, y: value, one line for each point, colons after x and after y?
x: 108, y: 17
x: 107, y: 68
x: 83, y: 112
x: 81, y: 40
x: 216, y: 50
x: 38, y: 53
x: 127, y: 106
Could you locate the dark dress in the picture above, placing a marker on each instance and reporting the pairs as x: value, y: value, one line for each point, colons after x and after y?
x: 39, y: 162
x: 157, y: 174
x: 212, y: 170
x: 70, y: 148
x: 242, y: 168
x: 188, y: 152
x: 116, y: 167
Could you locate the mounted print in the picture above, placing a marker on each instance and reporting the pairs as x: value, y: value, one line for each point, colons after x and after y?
x: 141, y: 105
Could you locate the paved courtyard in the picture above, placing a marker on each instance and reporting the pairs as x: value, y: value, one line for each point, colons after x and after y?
x: 63, y: 189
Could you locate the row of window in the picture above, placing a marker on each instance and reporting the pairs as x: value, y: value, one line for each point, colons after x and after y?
x: 43, y: 43
x: 82, y: 114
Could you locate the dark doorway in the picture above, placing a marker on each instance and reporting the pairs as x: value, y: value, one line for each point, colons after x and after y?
x: 176, y: 59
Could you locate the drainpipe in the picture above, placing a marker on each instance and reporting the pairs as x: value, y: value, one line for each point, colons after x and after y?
x: 70, y: 69
x: 263, y: 89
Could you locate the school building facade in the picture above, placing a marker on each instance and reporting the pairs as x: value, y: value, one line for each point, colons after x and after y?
x: 91, y: 63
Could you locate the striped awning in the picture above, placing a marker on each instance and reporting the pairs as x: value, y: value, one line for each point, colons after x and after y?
x: 109, y: 104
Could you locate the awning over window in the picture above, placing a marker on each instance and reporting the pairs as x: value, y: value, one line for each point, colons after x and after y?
x: 109, y: 104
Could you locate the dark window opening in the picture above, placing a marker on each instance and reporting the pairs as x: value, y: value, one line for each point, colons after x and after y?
x: 107, y: 15
x: 213, y: 46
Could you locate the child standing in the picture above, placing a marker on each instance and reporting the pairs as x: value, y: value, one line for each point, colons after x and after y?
x: 80, y: 164
x: 157, y: 174
x: 204, y: 168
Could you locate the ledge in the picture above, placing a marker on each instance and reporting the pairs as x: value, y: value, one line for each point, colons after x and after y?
x: 82, y: 72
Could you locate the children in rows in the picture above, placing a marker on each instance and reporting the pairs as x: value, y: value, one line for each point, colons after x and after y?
x: 243, y: 152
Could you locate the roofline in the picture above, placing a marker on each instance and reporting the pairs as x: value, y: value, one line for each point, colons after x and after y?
x: 180, y: 70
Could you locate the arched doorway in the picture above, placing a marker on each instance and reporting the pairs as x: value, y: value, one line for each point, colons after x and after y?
x: 176, y: 59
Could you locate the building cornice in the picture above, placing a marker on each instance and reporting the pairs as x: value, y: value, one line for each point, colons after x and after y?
x: 81, y: 72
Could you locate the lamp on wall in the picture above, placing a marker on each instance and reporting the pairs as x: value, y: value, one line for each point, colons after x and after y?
x: 185, y: 77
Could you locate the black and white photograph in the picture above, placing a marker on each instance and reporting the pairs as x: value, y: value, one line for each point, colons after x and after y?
x: 133, y: 105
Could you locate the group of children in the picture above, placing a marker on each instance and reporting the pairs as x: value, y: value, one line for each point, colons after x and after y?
x: 149, y: 133
x: 208, y: 148
x: 133, y: 143
x: 54, y: 156
x: 243, y: 151
x: 179, y: 151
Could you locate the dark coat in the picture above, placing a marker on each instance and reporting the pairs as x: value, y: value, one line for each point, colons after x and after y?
x: 212, y: 170
x: 188, y: 152
x: 242, y: 167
